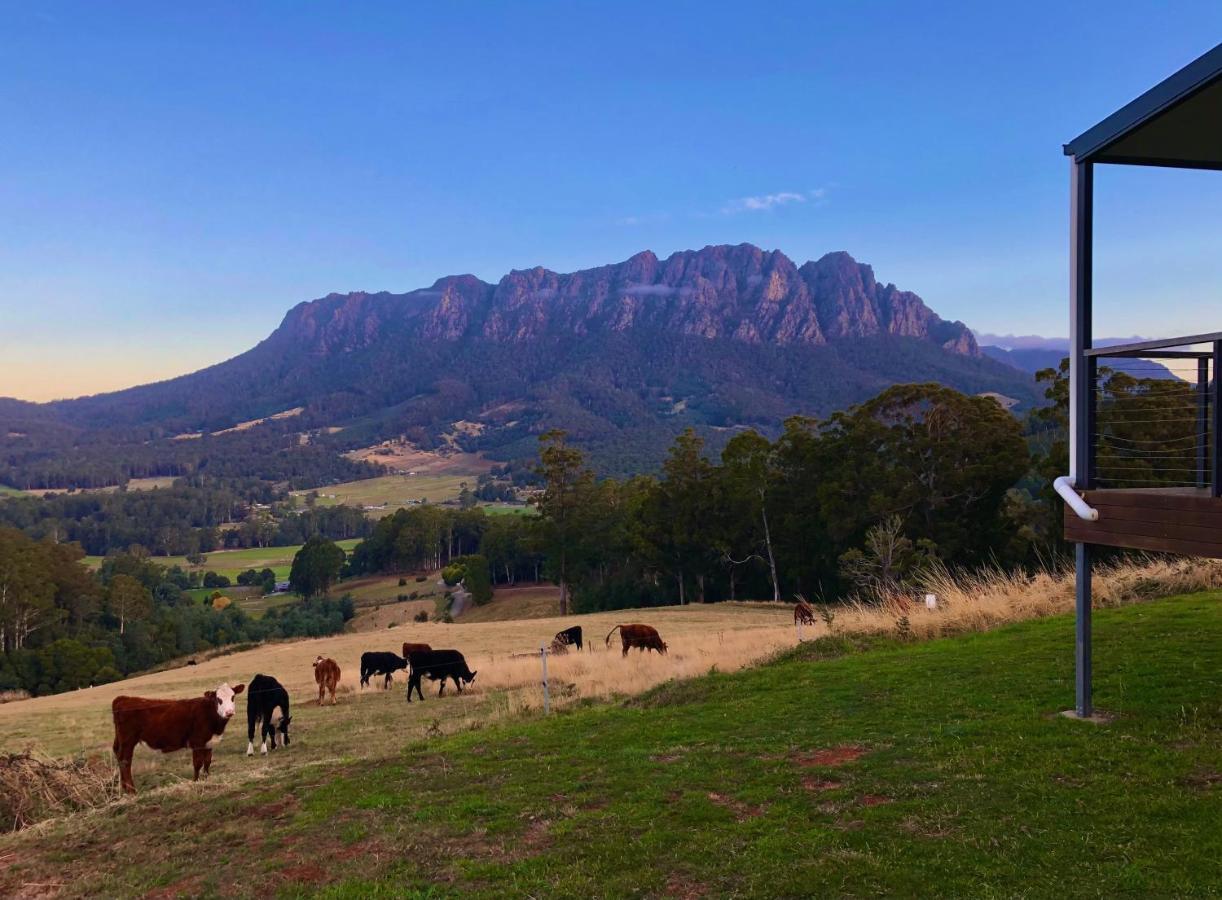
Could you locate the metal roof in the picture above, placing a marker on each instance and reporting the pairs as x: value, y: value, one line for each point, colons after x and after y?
x: 1178, y: 122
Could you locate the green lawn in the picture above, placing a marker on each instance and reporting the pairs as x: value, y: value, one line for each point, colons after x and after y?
x: 847, y: 768
x: 233, y: 562
x: 6, y: 491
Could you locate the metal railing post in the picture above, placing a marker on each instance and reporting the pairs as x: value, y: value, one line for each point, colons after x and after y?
x: 1215, y: 481
x: 1202, y: 421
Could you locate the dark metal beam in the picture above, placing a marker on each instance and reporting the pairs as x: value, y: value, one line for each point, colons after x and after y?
x: 1202, y: 422
x: 1159, y: 344
x: 1216, y: 476
x: 1082, y: 594
x: 1081, y: 392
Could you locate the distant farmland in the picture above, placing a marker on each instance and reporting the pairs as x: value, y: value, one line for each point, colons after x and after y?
x: 391, y: 492
x: 232, y: 562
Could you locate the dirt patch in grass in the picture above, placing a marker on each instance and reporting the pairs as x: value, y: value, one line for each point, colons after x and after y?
x: 685, y: 888
x: 742, y: 811
x: 1202, y: 779
x: 873, y: 800
x: 832, y: 756
x: 820, y: 784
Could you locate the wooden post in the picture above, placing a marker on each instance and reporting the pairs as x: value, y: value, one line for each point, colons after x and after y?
x: 546, y: 700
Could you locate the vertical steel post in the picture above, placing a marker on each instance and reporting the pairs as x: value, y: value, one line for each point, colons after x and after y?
x: 1081, y: 391
x: 1216, y: 476
x: 1202, y: 421
x: 1082, y: 597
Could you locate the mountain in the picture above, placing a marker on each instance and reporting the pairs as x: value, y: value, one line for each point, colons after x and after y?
x: 622, y: 356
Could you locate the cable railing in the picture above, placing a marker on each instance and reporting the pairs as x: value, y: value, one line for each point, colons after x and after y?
x: 1153, y: 415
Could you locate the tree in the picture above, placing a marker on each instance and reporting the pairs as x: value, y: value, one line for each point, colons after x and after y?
x: 889, y: 562
x: 316, y: 566
x: 746, y: 479
x: 563, y: 508
x: 127, y: 599
x: 27, y: 591
x: 678, y: 514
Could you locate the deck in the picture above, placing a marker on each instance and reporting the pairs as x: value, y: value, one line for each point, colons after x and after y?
x: 1170, y: 520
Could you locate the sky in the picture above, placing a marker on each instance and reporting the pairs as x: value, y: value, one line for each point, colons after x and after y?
x: 175, y: 177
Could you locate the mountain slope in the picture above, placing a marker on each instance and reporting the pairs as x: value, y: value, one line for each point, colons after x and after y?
x: 623, y: 356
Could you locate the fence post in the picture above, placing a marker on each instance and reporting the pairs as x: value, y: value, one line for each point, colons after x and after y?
x: 546, y: 700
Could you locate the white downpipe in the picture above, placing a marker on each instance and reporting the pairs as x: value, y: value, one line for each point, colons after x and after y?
x: 1064, y: 486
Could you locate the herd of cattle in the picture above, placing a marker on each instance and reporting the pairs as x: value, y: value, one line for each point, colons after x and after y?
x: 199, y: 722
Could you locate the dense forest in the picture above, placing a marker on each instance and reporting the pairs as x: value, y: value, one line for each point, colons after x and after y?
x: 195, y: 515
x: 63, y: 627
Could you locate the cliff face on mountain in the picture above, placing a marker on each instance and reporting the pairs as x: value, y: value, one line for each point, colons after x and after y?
x: 621, y: 356
x: 740, y: 293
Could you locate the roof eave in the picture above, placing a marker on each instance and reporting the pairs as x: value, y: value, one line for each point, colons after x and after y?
x: 1195, y: 76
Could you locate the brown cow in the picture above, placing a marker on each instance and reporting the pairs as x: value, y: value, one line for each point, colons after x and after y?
x: 326, y: 673
x: 803, y: 612
x: 169, y: 725
x: 409, y: 649
x: 643, y: 637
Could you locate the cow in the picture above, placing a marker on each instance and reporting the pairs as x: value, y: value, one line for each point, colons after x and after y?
x: 375, y: 663
x: 268, y: 702
x: 326, y: 673
x: 409, y: 648
x: 643, y: 637
x: 438, y: 665
x: 169, y: 725
x: 568, y: 637
x: 803, y: 612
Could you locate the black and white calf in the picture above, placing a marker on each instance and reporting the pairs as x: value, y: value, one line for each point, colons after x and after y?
x: 268, y: 702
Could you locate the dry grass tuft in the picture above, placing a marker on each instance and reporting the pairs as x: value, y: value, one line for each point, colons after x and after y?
x: 13, y: 696
x: 34, y: 787
x: 991, y: 597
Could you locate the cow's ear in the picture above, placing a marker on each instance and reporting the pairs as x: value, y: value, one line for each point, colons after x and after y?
x: 210, y: 695
x: 237, y: 690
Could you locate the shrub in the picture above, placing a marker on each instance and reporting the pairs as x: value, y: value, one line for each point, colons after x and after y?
x: 422, y: 616
x: 402, y: 582
x: 422, y: 578
x: 413, y: 595
x: 33, y: 788
x: 401, y: 598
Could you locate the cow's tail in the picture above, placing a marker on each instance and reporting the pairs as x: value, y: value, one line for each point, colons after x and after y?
x: 611, y: 632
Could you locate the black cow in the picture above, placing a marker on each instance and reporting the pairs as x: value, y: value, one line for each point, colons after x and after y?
x: 570, y: 637
x: 266, y: 701
x: 438, y: 665
x: 375, y: 663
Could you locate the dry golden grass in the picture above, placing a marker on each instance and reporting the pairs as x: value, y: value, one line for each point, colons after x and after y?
x: 992, y: 597
x: 34, y: 787
x: 527, y: 601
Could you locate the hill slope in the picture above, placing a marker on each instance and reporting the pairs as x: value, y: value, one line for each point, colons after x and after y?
x: 623, y: 356
x: 929, y: 769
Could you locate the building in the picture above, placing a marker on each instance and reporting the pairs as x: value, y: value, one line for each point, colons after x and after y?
x: 1158, y: 492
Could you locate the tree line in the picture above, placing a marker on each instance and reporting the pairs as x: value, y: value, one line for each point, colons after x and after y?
x: 63, y: 626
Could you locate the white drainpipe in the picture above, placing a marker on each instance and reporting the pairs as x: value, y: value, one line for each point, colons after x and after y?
x: 1065, y: 487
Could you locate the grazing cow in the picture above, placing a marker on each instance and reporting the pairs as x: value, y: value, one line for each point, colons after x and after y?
x: 268, y: 702
x: 803, y: 612
x: 438, y: 665
x: 409, y: 649
x: 169, y: 725
x: 569, y: 637
x: 643, y: 637
x: 326, y: 673
x: 375, y: 663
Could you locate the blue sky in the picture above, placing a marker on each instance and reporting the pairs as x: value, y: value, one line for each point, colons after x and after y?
x: 174, y: 177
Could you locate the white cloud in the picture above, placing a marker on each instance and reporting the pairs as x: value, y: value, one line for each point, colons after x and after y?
x: 764, y: 202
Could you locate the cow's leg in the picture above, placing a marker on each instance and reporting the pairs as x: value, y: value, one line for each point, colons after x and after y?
x: 322, y: 689
x: 443, y: 686
x: 251, y: 716
x: 123, y: 751
x: 625, y: 649
x: 197, y: 760
x: 458, y: 683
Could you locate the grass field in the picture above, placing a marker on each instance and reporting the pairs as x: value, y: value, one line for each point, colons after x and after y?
x: 134, y: 484
x: 6, y: 491
x: 233, y: 562
x: 528, y: 601
x: 393, y: 491
x: 848, y: 767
